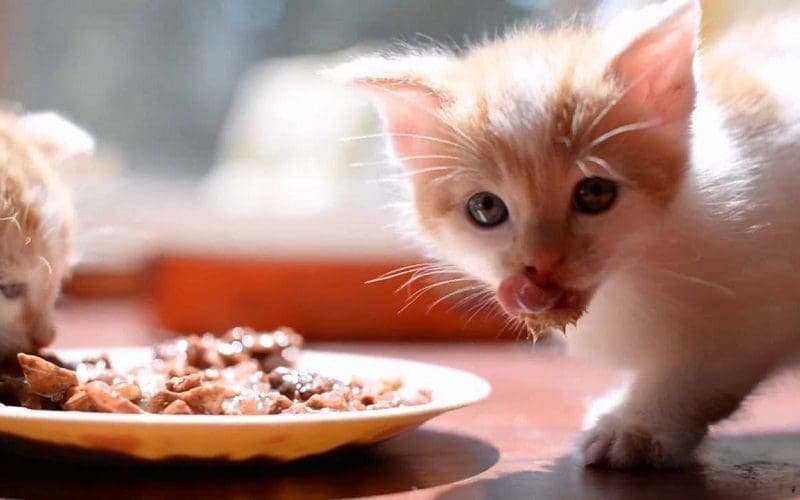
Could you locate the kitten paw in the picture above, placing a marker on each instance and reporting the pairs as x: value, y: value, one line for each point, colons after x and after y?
x: 622, y: 444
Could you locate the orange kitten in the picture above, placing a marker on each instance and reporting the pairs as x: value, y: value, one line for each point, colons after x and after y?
x: 618, y: 177
x: 35, y: 225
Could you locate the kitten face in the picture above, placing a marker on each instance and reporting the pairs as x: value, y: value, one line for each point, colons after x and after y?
x: 35, y: 225
x: 581, y: 145
x: 28, y: 292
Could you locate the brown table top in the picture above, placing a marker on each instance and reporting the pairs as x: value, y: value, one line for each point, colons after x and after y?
x: 516, y: 444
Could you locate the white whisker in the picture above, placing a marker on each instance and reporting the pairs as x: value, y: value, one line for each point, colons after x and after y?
x: 400, y: 271
x: 425, y: 274
x: 582, y: 167
x: 422, y: 291
x: 452, y: 294
x: 577, y: 117
x: 487, y: 304
x: 699, y: 281
x: 615, y: 101
x: 632, y: 127
x: 564, y: 140
x: 482, y: 293
x: 605, y: 166
x: 403, y: 159
x: 465, y: 137
x: 47, y: 264
x: 13, y: 219
x: 410, y: 136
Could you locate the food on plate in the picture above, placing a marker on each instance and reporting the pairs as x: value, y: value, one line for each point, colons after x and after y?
x: 243, y: 372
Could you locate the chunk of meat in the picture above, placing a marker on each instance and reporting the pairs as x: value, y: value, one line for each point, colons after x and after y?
x: 46, y: 378
x: 205, y: 399
x: 78, y: 400
x: 177, y: 407
x: 131, y: 392
x: 106, y: 399
x: 183, y: 384
x: 327, y: 401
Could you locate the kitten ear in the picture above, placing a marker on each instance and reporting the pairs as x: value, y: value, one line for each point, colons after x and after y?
x: 408, y: 96
x: 58, y: 138
x: 656, y: 68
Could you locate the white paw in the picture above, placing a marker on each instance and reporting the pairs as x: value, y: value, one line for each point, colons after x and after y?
x: 622, y: 444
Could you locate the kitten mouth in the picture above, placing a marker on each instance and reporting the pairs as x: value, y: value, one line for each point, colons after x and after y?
x: 553, y: 306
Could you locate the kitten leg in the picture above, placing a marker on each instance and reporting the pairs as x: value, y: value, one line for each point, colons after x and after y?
x: 659, y: 419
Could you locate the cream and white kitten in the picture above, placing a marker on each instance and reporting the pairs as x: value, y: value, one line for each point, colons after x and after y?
x: 623, y: 178
x: 35, y: 225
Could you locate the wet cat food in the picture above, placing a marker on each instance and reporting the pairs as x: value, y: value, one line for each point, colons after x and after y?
x: 243, y: 372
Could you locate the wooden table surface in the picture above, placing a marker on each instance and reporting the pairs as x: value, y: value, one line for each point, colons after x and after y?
x: 516, y: 444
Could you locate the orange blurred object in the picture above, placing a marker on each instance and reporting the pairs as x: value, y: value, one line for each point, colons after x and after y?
x: 322, y: 300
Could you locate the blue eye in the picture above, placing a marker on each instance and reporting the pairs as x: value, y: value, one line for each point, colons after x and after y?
x: 594, y: 195
x: 13, y: 290
x: 487, y: 209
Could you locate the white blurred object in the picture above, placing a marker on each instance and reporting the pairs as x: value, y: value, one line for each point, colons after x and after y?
x: 281, y: 150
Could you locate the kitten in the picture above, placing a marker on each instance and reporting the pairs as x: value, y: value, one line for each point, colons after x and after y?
x: 619, y: 178
x: 35, y: 225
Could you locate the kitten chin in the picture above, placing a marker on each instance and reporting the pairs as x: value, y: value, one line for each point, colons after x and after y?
x: 539, y: 324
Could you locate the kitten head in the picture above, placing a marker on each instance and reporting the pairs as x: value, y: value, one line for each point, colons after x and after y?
x: 35, y: 225
x: 537, y: 159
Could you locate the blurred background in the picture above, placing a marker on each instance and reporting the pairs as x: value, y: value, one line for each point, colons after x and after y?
x: 221, y: 192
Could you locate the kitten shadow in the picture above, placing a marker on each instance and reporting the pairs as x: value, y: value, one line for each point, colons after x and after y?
x: 763, y: 466
x: 414, y: 460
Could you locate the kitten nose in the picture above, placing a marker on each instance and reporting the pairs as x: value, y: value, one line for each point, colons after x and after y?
x: 540, y: 266
x: 43, y: 335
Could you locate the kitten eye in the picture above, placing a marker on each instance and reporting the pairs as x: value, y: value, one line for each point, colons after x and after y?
x: 594, y: 195
x: 487, y: 209
x: 13, y: 290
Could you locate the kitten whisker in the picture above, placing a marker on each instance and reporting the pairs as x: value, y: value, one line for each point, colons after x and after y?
x: 47, y: 264
x: 577, y: 117
x: 412, y: 173
x: 399, y: 134
x: 583, y: 168
x: 616, y: 100
x: 488, y: 305
x: 452, y: 294
x: 699, y: 281
x: 606, y: 166
x: 631, y: 127
x: 393, y: 160
x: 400, y: 271
x: 562, y: 139
x: 510, y: 322
x: 422, y: 291
x: 425, y: 274
x: 461, y: 134
x: 14, y: 219
x: 480, y: 294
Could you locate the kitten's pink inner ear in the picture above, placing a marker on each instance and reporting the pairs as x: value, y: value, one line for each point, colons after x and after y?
x: 656, y: 68
x: 58, y: 138
x: 410, y: 115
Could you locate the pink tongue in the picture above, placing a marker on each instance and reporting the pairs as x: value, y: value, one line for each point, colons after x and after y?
x: 519, y: 295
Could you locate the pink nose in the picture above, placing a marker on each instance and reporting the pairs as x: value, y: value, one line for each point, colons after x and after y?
x: 520, y: 295
x: 42, y: 336
x: 541, y: 265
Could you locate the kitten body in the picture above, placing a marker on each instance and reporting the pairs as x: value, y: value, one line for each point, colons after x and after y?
x: 35, y: 225
x: 690, y: 277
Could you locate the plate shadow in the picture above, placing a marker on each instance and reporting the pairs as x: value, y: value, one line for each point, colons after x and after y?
x: 414, y: 460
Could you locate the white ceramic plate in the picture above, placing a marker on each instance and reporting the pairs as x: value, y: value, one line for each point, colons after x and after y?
x: 234, y: 438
